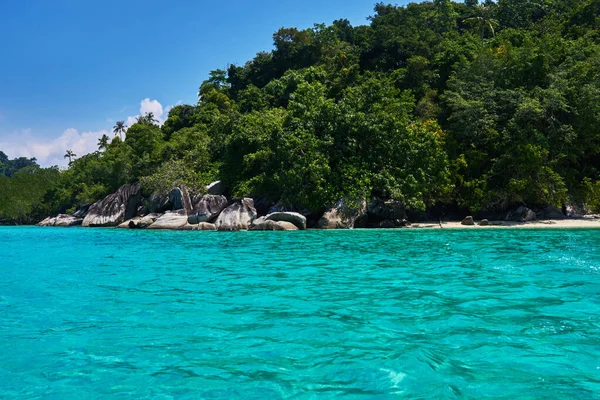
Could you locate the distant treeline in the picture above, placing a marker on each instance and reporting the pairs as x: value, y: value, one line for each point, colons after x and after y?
x: 466, y: 105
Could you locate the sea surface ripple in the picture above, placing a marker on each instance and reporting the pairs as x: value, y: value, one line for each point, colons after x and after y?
x: 367, y: 314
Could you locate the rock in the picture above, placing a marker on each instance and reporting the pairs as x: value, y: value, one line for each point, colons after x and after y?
x: 390, y: 209
x: 171, y: 220
x: 140, y: 222
x: 202, y: 226
x: 484, y: 222
x: 216, y: 188
x: 180, y: 199
x: 468, y: 221
x: 158, y: 203
x: 386, y: 224
x: 521, y: 214
x: 404, y: 223
x: 62, y: 220
x: 237, y: 216
x: 206, y: 208
x: 82, y: 212
x: 288, y: 226
x: 297, y: 219
x: 114, y: 208
x: 574, y: 210
x: 550, y: 212
x: 268, y: 226
x: 343, y: 215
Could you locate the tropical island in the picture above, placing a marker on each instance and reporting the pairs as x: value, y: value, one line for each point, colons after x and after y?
x: 432, y: 111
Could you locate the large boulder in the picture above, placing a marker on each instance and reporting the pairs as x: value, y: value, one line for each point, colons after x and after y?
x: 389, y: 209
x: 62, y: 220
x: 158, y: 203
x: 238, y: 216
x: 574, y: 210
x: 521, y: 214
x: 114, y: 208
x: 468, y: 221
x: 267, y: 226
x: 140, y: 222
x: 297, y: 219
x: 82, y: 211
x: 216, y: 188
x: 206, y: 208
x: 171, y: 220
x: 202, y: 226
x: 343, y: 215
x: 180, y: 199
x: 550, y: 213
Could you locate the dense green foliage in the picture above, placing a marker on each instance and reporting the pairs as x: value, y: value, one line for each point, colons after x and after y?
x: 480, y: 106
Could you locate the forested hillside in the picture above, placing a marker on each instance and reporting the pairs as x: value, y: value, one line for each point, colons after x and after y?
x: 470, y: 106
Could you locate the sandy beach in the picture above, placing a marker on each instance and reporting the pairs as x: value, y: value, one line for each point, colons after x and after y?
x: 553, y: 224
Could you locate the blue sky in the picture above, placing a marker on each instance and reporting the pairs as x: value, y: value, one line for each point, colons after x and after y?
x: 70, y: 68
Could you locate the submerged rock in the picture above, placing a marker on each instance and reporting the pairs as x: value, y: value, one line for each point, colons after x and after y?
x: 237, y: 216
x: 62, y: 220
x: 114, y: 208
x: 295, y: 218
x: 171, y: 220
x: 343, y: 215
x: 206, y: 208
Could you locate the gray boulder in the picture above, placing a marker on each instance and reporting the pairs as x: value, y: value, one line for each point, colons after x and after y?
x: 267, y: 226
x: 206, y: 208
x: 114, y: 208
x: 180, y: 199
x: 82, y: 212
x: 549, y: 213
x: 389, y: 209
x: 521, y: 214
x: 140, y: 222
x: 297, y: 219
x: 343, y: 215
x: 62, y: 220
x: 468, y: 221
x: 484, y: 222
x: 171, y: 220
x: 238, y: 216
x: 202, y: 226
x: 216, y: 188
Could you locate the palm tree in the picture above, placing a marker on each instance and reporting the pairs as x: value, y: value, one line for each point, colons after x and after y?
x: 119, y: 128
x: 484, y: 21
x: 70, y: 155
x: 103, y: 142
x: 147, y: 119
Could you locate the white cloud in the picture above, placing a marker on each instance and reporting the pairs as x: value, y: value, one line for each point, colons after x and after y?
x: 51, y: 152
x: 146, y: 106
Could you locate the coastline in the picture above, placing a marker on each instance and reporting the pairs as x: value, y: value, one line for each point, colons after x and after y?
x: 543, y: 224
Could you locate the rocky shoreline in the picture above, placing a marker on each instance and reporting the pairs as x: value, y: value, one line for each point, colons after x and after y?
x: 213, y: 211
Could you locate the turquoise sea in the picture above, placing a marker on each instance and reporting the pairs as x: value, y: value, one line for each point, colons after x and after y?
x: 369, y: 314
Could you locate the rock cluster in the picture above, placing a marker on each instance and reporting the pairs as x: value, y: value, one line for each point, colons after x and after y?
x: 177, y: 210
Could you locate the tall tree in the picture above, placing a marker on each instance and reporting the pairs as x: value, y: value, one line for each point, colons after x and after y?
x: 120, y: 128
x: 103, y: 142
x: 70, y: 155
x: 484, y: 21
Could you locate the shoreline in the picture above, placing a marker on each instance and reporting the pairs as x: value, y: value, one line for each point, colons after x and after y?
x: 543, y: 224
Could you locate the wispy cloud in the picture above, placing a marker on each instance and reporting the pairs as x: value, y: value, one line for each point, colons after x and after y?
x: 49, y: 152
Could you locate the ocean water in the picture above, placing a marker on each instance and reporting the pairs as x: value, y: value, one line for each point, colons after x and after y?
x: 366, y: 314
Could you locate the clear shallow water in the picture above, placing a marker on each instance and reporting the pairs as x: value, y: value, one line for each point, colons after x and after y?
x: 364, y: 314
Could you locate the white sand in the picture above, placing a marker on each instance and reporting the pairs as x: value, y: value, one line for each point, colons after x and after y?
x: 555, y: 224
